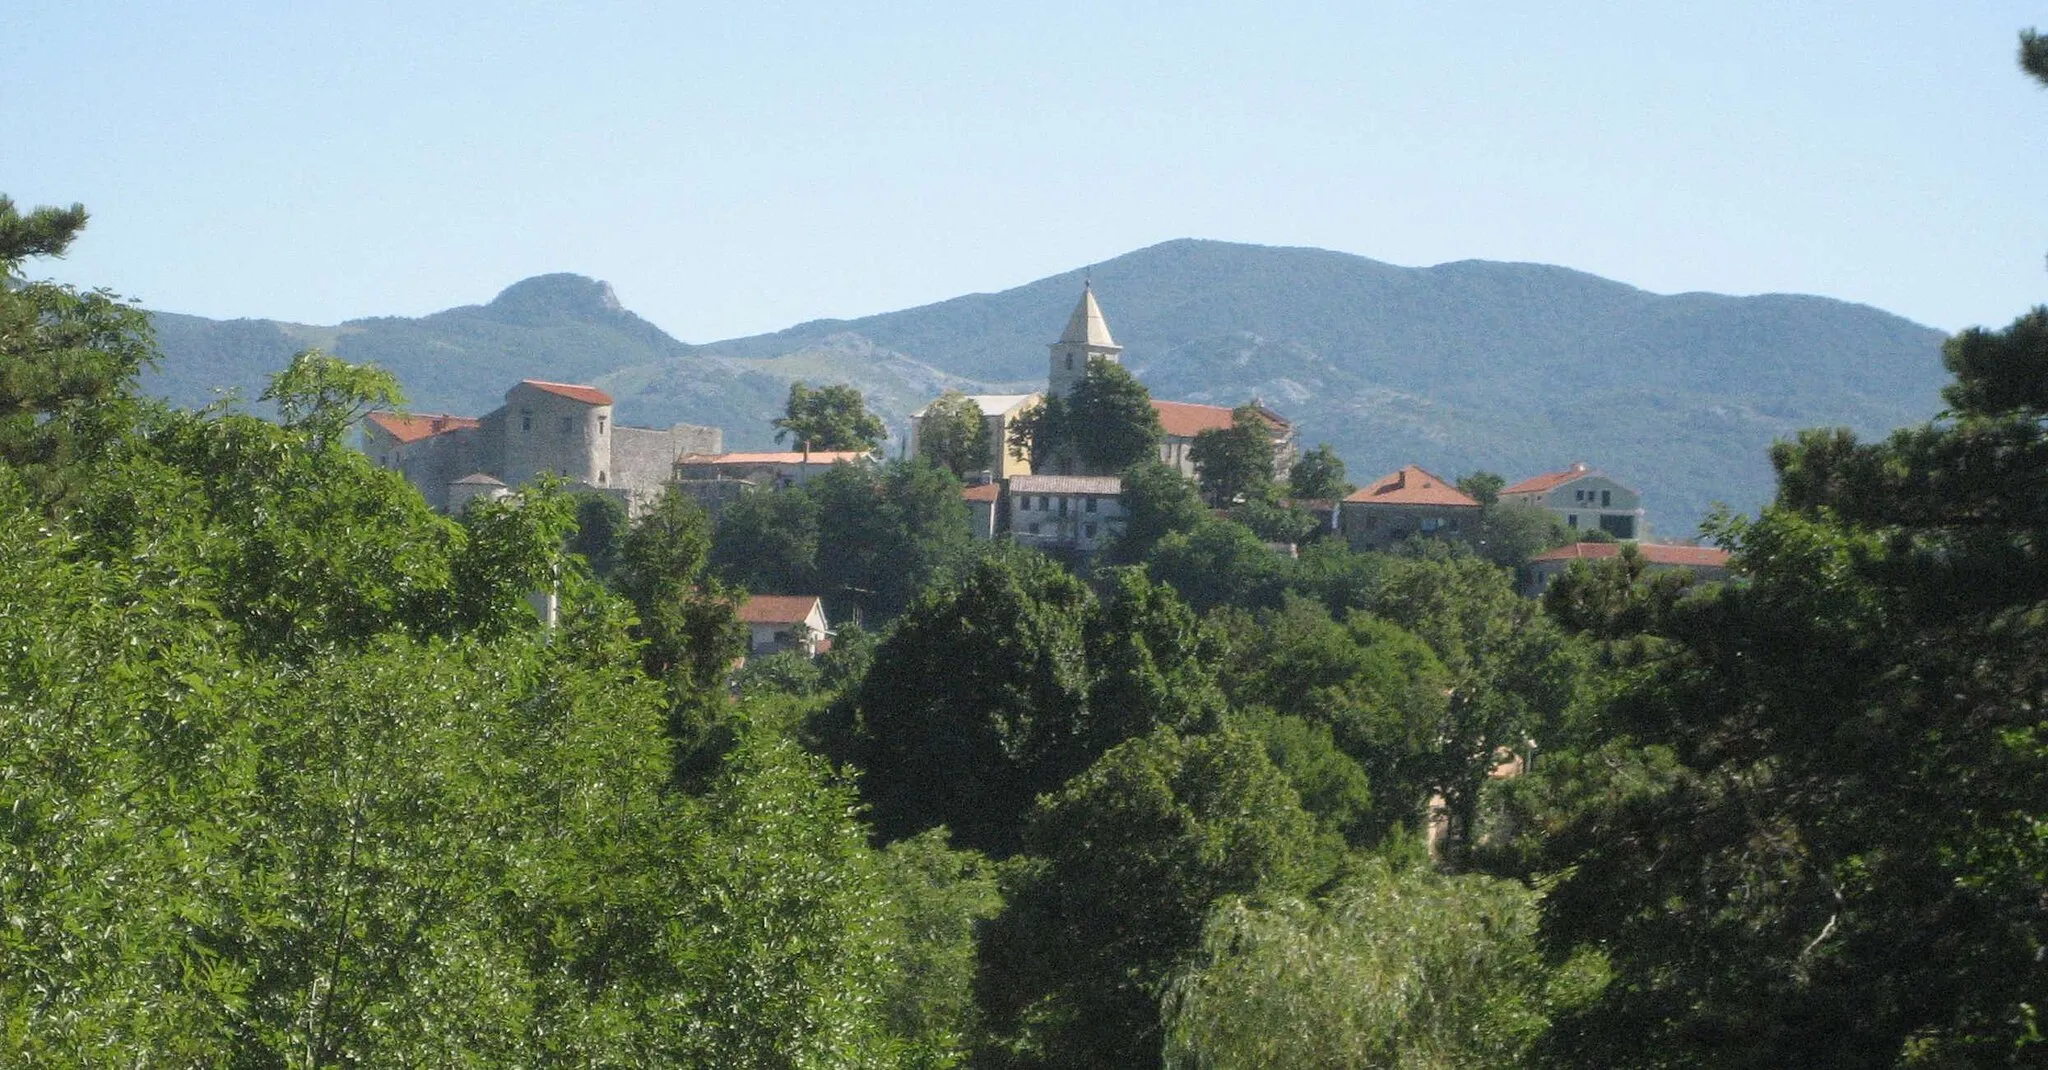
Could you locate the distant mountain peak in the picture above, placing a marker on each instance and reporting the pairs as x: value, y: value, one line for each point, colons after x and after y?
x: 560, y: 294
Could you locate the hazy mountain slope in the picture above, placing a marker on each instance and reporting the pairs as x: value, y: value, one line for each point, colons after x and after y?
x: 1519, y: 368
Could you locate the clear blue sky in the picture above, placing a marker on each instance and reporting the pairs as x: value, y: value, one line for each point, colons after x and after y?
x: 736, y: 168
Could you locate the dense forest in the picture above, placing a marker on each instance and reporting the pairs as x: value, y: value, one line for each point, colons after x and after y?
x: 294, y: 773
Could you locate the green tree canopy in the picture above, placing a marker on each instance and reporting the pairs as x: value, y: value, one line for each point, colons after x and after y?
x: 955, y: 436
x: 830, y: 418
x: 1318, y: 474
x: 1844, y: 865
x: 1123, y: 865
x: 1157, y: 501
x: 1106, y: 425
x: 1236, y: 462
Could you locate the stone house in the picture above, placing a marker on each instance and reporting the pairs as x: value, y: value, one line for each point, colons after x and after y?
x: 778, y: 622
x: 1705, y: 562
x: 770, y: 470
x: 564, y: 429
x: 1403, y: 504
x: 1585, y: 500
x: 1079, y: 513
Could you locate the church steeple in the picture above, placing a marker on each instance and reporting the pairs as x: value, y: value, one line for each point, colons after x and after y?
x: 1086, y: 338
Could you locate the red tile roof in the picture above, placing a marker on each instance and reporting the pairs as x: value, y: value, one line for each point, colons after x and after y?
x: 411, y: 427
x: 1538, y: 484
x: 1412, y: 486
x: 589, y: 395
x: 777, y: 608
x: 1653, y: 552
x: 982, y: 492
x: 1185, y: 419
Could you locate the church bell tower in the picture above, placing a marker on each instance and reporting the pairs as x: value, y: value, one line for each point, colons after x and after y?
x: 1086, y: 338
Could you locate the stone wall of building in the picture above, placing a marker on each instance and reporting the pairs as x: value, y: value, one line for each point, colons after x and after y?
x: 547, y: 432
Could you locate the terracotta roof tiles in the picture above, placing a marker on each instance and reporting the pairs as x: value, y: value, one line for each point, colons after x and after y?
x: 777, y: 608
x: 411, y: 427
x: 589, y: 395
x: 1412, y: 486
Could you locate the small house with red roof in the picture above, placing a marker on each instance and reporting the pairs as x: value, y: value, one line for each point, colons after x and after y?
x: 1405, y: 504
x: 544, y: 428
x: 983, y: 499
x: 778, y: 622
x: 1704, y: 562
x: 1585, y: 500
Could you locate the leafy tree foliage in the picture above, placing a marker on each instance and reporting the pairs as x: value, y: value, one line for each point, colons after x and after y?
x: 885, y: 531
x: 1399, y: 967
x: 1220, y: 562
x: 1158, y: 501
x: 1510, y: 533
x: 767, y: 543
x: 955, y: 436
x: 1235, y: 463
x: 1123, y: 865
x: 1514, y: 676
x: 1318, y: 474
x: 68, y: 360
x: 600, y: 531
x: 1845, y: 865
x: 829, y: 418
x: 1106, y: 425
x: 975, y: 704
x: 1482, y: 486
x: 1277, y: 522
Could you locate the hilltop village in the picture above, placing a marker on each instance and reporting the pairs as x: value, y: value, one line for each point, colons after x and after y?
x: 1062, y: 505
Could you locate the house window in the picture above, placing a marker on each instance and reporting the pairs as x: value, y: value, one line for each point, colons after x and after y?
x: 1063, y: 507
x: 600, y: 425
x: 1034, y: 529
x: 600, y: 477
x: 526, y: 419
x: 568, y: 424
x: 1089, y: 530
x: 1070, y: 362
x: 1604, y: 496
x: 1431, y: 523
x: 1571, y: 520
x: 1091, y: 505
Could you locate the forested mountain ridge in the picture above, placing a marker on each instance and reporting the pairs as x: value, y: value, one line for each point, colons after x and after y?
x: 1518, y: 368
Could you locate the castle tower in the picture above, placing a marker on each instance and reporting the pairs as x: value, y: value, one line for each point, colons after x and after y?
x: 1086, y: 338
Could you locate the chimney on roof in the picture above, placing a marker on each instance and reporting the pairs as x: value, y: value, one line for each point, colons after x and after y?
x: 1400, y: 479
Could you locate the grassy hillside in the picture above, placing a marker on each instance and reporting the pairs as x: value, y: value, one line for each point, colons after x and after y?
x: 1518, y: 368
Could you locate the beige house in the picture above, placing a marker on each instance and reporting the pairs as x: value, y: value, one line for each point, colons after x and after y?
x: 1066, y: 512
x: 999, y: 412
x: 1404, y: 504
x: 1183, y: 420
x: 1705, y: 562
x: 778, y: 622
x: 1585, y: 500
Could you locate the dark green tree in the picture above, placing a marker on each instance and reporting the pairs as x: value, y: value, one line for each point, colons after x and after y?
x: 68, y: 360
x: 767, y: 542
x: 1235, y: 463
x: 1158, y: 501
x: 829, y: 418
x: 1218, y: 563
x: 1106, y: 425
x: 884, y: 532
x: 1482, y: 486
x: 955, y: 436
x: 1123, y: 865
x: 1844, y: 866
x: 600, y: 531
x: 976, y: 703
x: 1318, y: 474
x: 1510, y: 533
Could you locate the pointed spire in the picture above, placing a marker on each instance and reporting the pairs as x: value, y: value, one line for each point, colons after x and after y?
x: 1086, y: 326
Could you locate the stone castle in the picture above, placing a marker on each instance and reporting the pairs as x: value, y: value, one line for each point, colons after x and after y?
x: 543, y: 428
